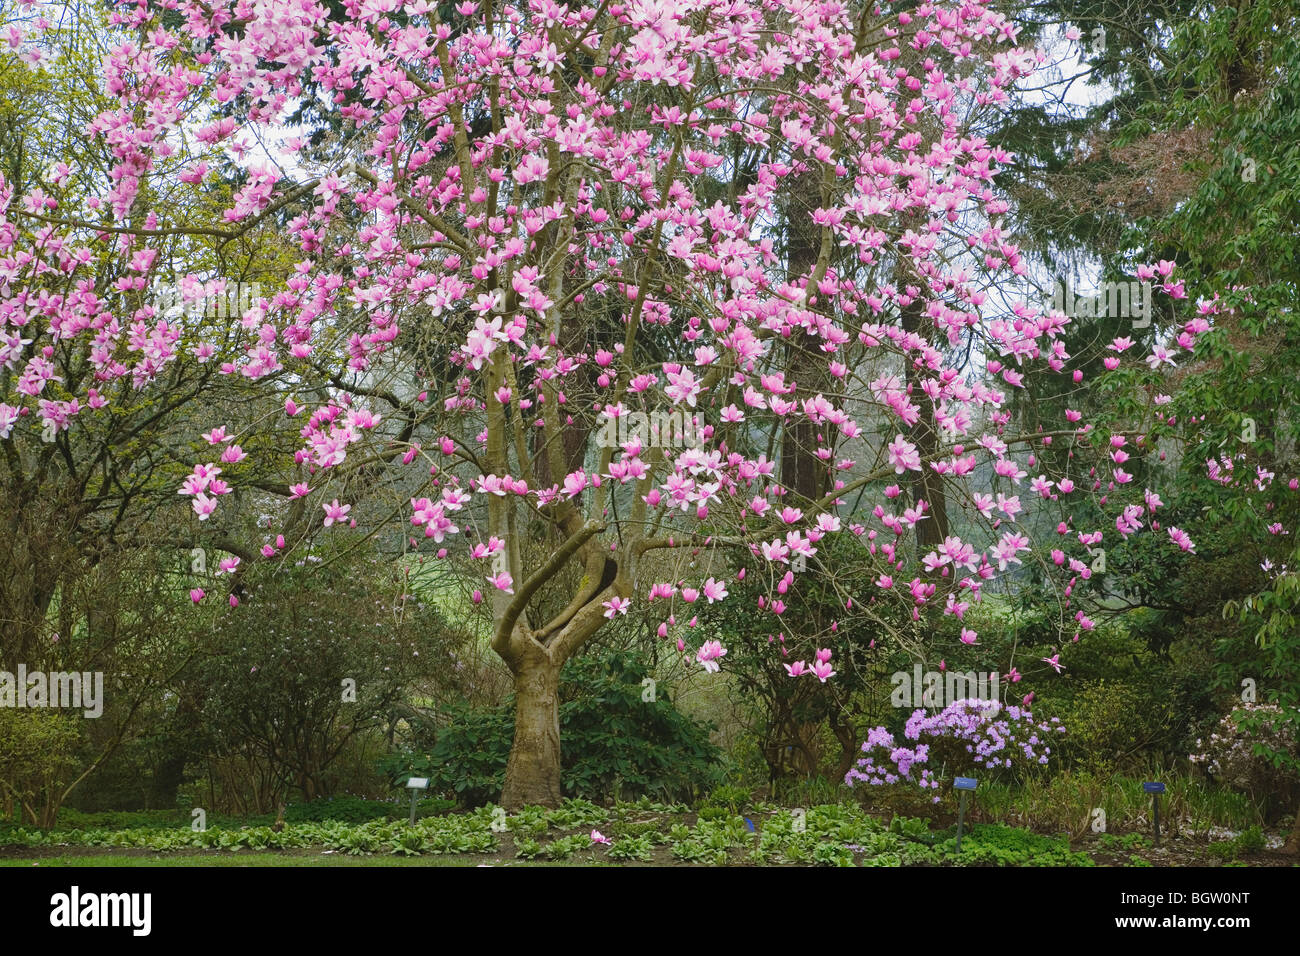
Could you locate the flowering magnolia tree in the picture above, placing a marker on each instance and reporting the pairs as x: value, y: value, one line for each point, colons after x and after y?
x: 607, y: 302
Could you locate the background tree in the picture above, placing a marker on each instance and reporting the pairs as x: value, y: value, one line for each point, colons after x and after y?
x: 313, y: 662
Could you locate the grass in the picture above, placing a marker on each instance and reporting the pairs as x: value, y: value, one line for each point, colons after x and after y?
x: 806, y: 793
x: 1067, y: 802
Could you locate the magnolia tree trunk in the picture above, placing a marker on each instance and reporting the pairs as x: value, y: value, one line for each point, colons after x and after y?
x: 535, y: 656
x: 533, y: 771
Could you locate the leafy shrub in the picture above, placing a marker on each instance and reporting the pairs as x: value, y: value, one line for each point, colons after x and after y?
x: 614, y: 743
x: 466, y: 759
x: 267, y: 685
x: 622, y: 745
x: 792, y: 729
x: 528, y: 822
x: 1253, y: 749
x: 37, y: 761
x: 1113, y: 726
x: 884, y: 859
x: 729, y: 797
x: 357, y: 810
x: 70, y: 819
x: 1250, y: 840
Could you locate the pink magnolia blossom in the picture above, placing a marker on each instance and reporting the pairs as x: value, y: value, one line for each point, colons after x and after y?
x: 823, y: 671
x: 335, y: 512
x: 616, y: 605
x: 709, y: 654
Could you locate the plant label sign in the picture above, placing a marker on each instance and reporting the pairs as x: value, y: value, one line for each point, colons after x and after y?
x: 1153, y: 787
x: 965, y: 783
x: 418, y: 783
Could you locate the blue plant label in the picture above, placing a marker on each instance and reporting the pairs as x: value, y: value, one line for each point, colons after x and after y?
x: 965, y: 783
x: 1153, y: 787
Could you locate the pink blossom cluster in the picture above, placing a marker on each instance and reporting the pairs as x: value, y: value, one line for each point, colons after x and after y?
x: 610, y: 124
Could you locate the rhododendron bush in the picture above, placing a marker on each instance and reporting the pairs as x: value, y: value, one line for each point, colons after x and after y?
x: 1252, y: 749
x: 966, y: 736
x: 607, y: 305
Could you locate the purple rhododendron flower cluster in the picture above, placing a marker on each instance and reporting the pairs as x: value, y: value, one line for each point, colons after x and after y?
x: 965, y: 735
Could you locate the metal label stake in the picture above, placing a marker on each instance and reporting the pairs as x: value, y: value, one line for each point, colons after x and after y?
x: 416, y: 785
x: 1155, y: 789
x: 964, y: 785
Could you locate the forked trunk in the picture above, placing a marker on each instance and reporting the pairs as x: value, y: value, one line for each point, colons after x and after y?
x: 533, y: 771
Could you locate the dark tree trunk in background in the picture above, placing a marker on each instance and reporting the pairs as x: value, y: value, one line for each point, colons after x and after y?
x: 167, y: 777
x: 928, y: 485
x: 802, y: 472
